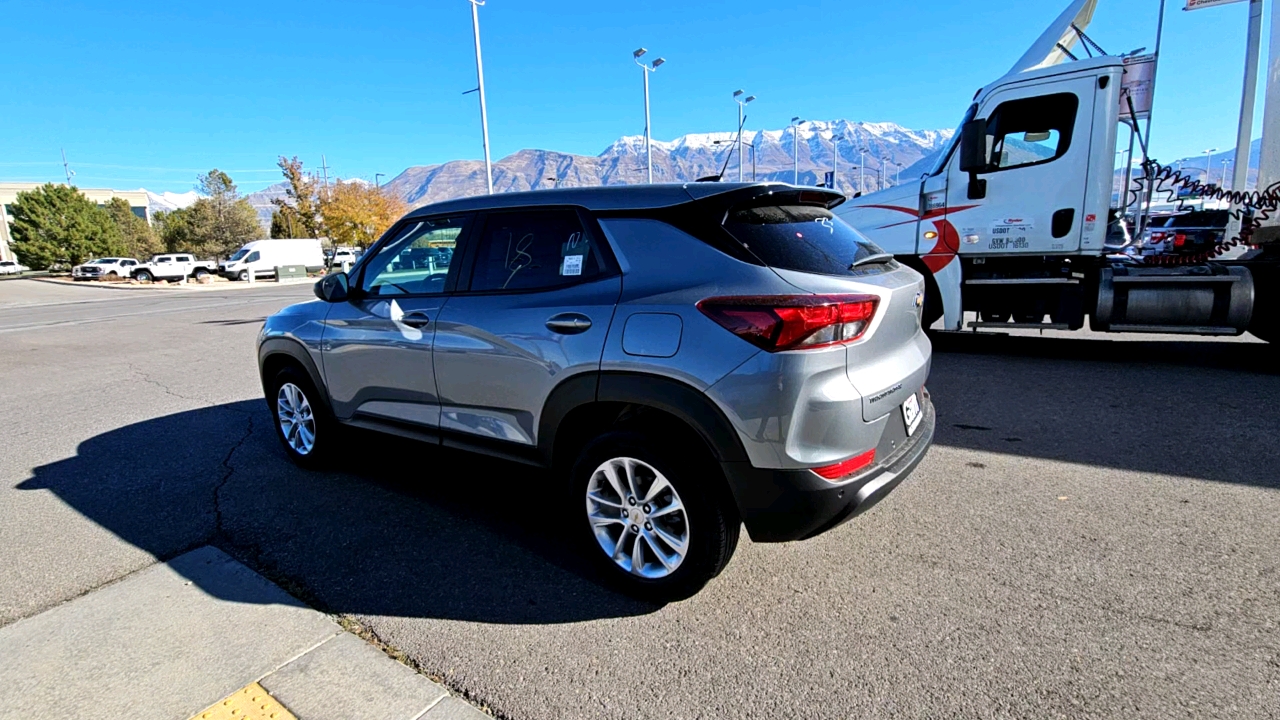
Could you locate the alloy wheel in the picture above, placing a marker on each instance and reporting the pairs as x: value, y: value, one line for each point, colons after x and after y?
x: 637, y: 517
x: 297, y: 422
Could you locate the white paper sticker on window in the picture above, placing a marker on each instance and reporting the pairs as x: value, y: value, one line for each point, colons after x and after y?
x: 572, y: 265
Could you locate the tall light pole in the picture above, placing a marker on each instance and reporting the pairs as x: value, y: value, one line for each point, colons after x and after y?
x: 862, y: 163
x: 795, y: 150
x: 1226, y: 162
x: 897, y: 175
x: 1208, y: 165
x: 648, y: 141
x: 742, y: 105
x: 375, y: 179
x: 484, y: 111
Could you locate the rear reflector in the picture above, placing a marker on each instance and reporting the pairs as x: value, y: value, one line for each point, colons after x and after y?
x: 793, y: 322
x: 848, y: 467
x: 1179, y: 240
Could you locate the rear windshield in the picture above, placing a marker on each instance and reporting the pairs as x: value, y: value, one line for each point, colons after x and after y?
x: 804, y: 238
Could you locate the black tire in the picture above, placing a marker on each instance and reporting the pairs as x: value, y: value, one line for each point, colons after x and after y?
x: 325, y: 429
x: 201, y: 273
x: 144, y: 276
x: 243, y: 276
x: 712, y: 524
x: 113, y: 275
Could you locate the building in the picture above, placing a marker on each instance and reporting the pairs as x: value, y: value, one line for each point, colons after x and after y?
x: 137, y: 200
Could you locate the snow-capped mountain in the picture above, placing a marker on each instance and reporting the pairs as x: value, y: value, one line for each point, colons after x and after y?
x: 167, y: 201
x: 689, y: 157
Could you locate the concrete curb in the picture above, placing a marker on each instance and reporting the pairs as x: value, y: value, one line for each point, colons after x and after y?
x: 192, y: 286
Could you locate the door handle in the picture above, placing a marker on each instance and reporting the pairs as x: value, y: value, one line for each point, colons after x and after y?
x: 415, y: 319
x: 569, y: 323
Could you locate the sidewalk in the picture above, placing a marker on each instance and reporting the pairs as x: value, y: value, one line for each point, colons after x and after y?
x: 203, y: 636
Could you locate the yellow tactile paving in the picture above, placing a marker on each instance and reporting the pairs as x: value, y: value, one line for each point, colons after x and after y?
x: 250, y: 703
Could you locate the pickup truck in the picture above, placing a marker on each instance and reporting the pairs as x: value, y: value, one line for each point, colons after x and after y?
x: 174, y: 266
x: 102, y: 268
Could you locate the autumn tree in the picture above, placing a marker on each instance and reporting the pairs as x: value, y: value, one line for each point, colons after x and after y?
x: 137, y: 238
x: 299, y: 210
x: 356, y: 213
x: 55, y: 224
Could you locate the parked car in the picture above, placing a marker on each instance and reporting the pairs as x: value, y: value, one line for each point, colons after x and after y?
x: 173, y: 266
x: 1189, y: 233
x: 10, y: 267
x: 681, y: 359
x: 262, y: 257
x: 342, y: 255
x: 104, y: 268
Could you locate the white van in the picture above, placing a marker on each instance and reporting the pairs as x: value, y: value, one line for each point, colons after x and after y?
x: 262, y: 257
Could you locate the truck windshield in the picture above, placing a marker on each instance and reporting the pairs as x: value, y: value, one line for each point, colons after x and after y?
x: 945, y: 155
x: 804, y: 238
x: 240, y: 253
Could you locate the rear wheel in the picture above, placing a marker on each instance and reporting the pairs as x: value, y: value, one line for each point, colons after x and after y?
x: 303, y: 423
x: 651, y: 524
x: 201, y: 273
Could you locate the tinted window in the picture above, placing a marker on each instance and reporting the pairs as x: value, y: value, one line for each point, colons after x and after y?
x: 804, y: 238
x: 254, y: 256
x: 1032, y: 130
x: 536, y: 249
x: 416, y: 261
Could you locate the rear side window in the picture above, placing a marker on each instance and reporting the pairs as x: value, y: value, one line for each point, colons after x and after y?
x: 532, y: 250
x: 804, y: 238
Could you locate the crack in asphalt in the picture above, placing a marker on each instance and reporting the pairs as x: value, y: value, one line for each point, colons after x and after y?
x: 145, y: 377
x: 219, y: 530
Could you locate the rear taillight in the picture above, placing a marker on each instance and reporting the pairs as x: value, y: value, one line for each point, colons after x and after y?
x: 793, y: 322
x: 848, y: 467
x: 1179, y: 240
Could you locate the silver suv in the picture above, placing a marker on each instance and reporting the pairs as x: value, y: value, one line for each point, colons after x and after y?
x: 683, y: 359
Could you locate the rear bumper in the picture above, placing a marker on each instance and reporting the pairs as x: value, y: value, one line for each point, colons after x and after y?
x: 784, y: 505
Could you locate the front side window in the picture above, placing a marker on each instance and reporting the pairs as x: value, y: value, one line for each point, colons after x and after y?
x: 416, y: 261
x: 1031, y: 131
x: 254, y: 256
x: 534, y: 249
x: 184, y: 258
x: 239, y: 254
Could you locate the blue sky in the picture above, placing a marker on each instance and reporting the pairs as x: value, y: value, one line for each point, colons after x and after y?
x: 144, y: 95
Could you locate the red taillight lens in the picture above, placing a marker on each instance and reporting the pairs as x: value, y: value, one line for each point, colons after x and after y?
x: 848, y: 467
x: 791, y: 322
x: 1179, y: 240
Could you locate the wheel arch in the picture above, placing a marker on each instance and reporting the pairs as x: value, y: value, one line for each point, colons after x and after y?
x: 934, y: 304
x: 277, y: 353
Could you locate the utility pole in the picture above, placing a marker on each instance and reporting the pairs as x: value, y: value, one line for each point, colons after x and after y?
x: 795, y: 150
x: 484, y: 111
x: 742, y: 104
x: 324, y: 166
x: 67, y: 168
x: 835, y: 161
x: 862, y: 164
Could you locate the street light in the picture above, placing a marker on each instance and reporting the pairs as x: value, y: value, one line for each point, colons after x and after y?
x: 795, y: 149
x: 862, y: 163
x: 484, y: 112
x: 375, y: 179
x: 1208, y: 168
x: 742, y: 104
x: 1225, y: 163
x: 647, y: 68
x: 897, y: 175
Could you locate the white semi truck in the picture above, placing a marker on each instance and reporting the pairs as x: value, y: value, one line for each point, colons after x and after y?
x: 1010, y: 225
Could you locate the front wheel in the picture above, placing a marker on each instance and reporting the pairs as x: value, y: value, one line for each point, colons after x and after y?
x: 302, y: 421
x: 652, y: 525
x: 143, y: 276
x: 243, y: 276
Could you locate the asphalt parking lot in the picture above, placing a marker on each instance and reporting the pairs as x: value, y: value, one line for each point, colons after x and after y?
x: 1094, y: 534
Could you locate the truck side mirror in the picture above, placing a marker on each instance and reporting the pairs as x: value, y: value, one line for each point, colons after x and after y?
x: 975, y: 156
x: 333, y: 288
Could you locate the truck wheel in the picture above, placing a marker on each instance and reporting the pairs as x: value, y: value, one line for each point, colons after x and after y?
x: 303, y: 423
x: 201, y: 273
x: 647, y: 518
x: 243, y: 276
x: 144, y: 276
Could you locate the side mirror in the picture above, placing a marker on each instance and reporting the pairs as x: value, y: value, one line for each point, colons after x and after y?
x: 333, y: 288
x: 975, y: 156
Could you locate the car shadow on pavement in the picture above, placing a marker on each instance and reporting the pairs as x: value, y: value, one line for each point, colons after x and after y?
x: 396, y: 528
x: 1203, y: 410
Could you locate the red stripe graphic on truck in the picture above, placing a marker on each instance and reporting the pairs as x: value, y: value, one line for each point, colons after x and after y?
x: 948, y: 243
